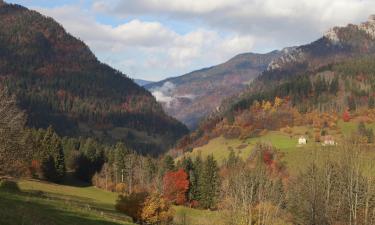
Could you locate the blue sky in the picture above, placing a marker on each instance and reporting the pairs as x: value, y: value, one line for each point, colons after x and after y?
x: 156, y: 39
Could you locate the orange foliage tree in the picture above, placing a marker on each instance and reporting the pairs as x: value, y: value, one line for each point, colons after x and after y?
x: 157, y: 210
x: 176, y: 185
x: 132, y: 205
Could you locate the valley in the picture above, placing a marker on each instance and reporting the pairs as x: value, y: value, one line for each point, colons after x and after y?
x: 277, y: 138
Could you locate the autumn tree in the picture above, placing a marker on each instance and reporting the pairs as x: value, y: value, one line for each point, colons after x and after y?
x: 14, y: 151
x: 132, y: 205
x: 251, y: 195
x: 339, y: 191
x: 176, y: 185
x: 346, y: 116
x: 266, y: 105
x: 156, y: 210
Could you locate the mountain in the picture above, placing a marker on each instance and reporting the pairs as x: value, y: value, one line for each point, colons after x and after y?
x: 337, y: 44
x: 332, y: 75
x: 141, y: 82
x: 58, y: 81
x: 192, y: 96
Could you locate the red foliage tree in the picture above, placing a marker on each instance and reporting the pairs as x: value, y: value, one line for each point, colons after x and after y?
x: 176, y: 184
x: 267, y: 157
x: 346, y: 116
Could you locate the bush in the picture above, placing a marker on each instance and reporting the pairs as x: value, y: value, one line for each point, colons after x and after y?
x: 9, y: 185
x: 157, y: 210
x: 120, y: 188
x: 132, y: 205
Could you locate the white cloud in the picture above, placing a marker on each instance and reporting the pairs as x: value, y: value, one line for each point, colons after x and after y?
x: 166, y: 94
x: 280, y: 22
x: 213, y: 30
x: 149, y: 49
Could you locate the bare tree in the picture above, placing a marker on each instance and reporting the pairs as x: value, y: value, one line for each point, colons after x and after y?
x: 12, y: 136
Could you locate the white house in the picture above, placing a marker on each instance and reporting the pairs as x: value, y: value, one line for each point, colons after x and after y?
x: 328, y: 140
x: 302, y: 140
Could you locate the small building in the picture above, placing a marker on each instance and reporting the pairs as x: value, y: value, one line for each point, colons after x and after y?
x: 328, y: 140
x: 302, y: 140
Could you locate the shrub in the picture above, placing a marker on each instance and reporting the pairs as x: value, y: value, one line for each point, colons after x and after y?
x: 157, y: 210
x: 120, y: 187
x: 9, y: 185
x: 346, y: 116
x: 132, y: 205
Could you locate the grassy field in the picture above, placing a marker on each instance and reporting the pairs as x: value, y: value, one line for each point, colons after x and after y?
x: 348, y: 128
x: 191, y: 216
x: 40, y: 203
x: 45, y: 203
x: 220, y: 147
x: 295, y: 157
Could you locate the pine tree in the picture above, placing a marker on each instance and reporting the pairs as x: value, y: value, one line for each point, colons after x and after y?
x: 370, y: 135
x: 362, y: 129
x: 59, y: 157
x: 210, y: 184
x: 48, y: 168
x: 195, y: 177
x: 334, y: 86
x: 168, y: 164
x: 232, y: 159
x: 52, y: 157
x: 187, y: 164
x: 371, y: 102
x: 351, y: 104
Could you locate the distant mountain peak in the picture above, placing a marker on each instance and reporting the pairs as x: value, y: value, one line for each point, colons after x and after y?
x: 331, y: 35
x: 289, y: 55
x: 368, y: 27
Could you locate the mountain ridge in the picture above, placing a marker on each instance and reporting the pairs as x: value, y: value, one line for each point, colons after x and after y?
x: 58, y: 81
x: 329, y: 75
x: 192, y: 96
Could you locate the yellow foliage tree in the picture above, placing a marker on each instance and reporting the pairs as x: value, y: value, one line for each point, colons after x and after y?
x: 157, y: 210
x: 266, y: 105
x: 278, y: 102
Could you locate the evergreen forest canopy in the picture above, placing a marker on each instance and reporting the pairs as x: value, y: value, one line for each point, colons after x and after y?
x: 60, y: 83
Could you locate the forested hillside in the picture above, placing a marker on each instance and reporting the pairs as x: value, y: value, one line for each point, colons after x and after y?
x: 195, y: 95
x: 58, y: 81
x: 332, y: 74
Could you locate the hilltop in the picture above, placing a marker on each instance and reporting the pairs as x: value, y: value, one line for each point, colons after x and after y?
x: 58, y: 81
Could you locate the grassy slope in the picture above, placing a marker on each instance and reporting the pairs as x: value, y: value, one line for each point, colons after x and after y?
x: 45, y: 203
x: 220, y: 147
x: 295, y: 157
x: 190, y: 216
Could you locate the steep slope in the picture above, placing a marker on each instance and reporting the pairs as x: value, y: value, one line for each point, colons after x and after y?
x: 351, y: 47
x: 192, y: 96
x: 60, y: 82
x: 338, y: 44
x: 331, y: 75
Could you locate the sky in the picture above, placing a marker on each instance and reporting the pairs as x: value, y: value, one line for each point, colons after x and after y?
x: 156, y: 39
